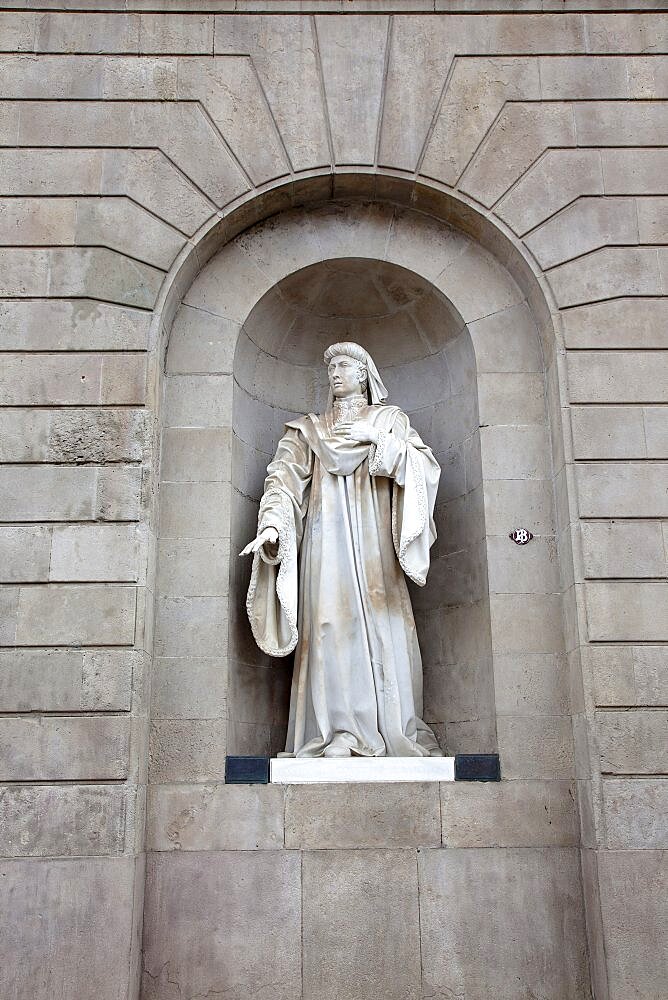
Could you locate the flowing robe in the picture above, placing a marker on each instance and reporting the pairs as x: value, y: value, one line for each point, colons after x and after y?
x: 359, y: 516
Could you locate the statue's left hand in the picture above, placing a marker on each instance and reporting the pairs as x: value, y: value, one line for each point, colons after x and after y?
x: 364, y: 432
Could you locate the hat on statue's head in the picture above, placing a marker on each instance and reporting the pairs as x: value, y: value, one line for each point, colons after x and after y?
x: 375, y: 387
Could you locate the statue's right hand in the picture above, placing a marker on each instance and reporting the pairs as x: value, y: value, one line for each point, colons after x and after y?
x: 269, y: 535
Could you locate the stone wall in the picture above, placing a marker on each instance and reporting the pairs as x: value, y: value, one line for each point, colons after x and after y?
x: 136, y: 150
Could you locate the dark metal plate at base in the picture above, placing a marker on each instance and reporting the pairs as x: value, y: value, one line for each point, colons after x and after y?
x: 247, y: 770
x: 477, y: 767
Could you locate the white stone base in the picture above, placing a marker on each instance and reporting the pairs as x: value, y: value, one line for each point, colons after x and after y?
x: 307, y: 770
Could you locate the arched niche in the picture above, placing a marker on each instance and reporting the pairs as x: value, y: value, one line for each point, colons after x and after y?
x: 425, y: 355
x: 458, y: 344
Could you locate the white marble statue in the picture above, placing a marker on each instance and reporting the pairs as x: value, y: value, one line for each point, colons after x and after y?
x: 346, y: 512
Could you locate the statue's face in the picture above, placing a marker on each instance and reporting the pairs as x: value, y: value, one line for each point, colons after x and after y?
x: 345, y: 376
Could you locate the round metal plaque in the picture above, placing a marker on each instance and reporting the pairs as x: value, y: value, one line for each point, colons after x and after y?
x: 521, y: 536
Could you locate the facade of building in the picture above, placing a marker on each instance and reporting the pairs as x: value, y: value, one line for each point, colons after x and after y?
x: 196, y: 198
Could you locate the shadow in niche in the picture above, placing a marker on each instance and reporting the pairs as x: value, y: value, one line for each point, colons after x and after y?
x: 424, y: 352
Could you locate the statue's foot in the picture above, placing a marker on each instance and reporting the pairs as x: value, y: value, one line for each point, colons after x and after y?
x: 339, y: 747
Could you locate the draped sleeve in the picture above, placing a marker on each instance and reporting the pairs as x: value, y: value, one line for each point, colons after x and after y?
x: 272, y: 594
x: 401, y: 455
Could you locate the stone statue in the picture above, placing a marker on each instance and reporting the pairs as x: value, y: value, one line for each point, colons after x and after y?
x: 352, y: 492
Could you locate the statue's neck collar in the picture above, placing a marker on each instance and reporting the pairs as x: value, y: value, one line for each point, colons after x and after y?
x: 349, y: 408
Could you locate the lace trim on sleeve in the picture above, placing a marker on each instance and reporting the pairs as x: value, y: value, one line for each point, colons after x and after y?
x: 286, y: 559
x: 377, y: 454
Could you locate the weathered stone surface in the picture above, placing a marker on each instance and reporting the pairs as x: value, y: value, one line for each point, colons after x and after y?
x: 24, y: 554
x: 608, y: 432
x: 511, y: 504
x: 95, y: 552
x: 195, y: 510
x: 187, y: 750
x: 215, y: 818
x: 617, y: 376
x: 357, y: 816
x: 72, y: 435
x: 191, y: 626
x: 519, y: 569
x: 193, y: 567
x: 535, y: 746
x: 196, y: 455
x: 189, y: 687
x: 61, y: 493
x: 633, y: 742
x: 615, y: 489
x: 635, y: 813
x: 61, y: 680
x: 75, y: 820
x: 509, y: 814
x: 64, y: 748
x: 457, y: 886
x: 586, y: 225
x: 556, y: 179
x: 620, y: 610
x: 605, y: 273
x: 65, y: 615
x: 62, y: 924
x: 527, y: 683
x: 373, y: 951
x: 249, y: 945
x: 633, y: 907
x: 61, y: 325
x: 198, y: 400
x: 623, y: 549
x: 201, y: 343
x: 621, y: 322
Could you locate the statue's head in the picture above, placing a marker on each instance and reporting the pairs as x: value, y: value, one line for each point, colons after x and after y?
x: 351, y: 371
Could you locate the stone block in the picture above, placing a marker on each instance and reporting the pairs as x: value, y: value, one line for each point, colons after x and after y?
x: 625, y: 32
x: 522, y: 569
x: 118, y: 494
x: 605, y: 123
x: 477, y: 91
x: 95, y: 553
x: 511, y: 504
x: 617, y: 376
x: 51, y: 916
x: 509, y: 814
x: 511, y: 398
x: 608, y: 432
x: 633, y: 888
x: 535, y: 746
x: 615, y: 489
x: 620, y: 610
x: 195, y: 510
x: 608, y: 272
x: 515, y: 452
x: 623, y: 549
x: 24, y: 554
x: 556, y: 179
x: 564, y: 78
x: 319, y: 817
x: 201, y: 343
x: 215, y: 818
x: 184, y: 750
x: 63, y: 615
x: 62, y: 32
x: 283, y: 50
x: 617, y: 323
x: 584, y: 226
x: 191, y: 34
x: 69, y: 434
x: 656, y: 431
x: 513, y: 143
x: 65, y: 748
x: 70, y: 820
x: 17, y: 31
x: 633, y: 742
x: 635, y: 813
x: 611, y: 671
x: 352, y: 51
x: 196, y: 455
x: 193, y: 567
x: 251, y: 945
x: 189, y: 687
x: 61, y: 680
x: 476, y: 895
x: 531, y: 684
x: 374, y: 950
x: 634, y: 171
x: 198, y: 401
x: 61, y: 325
x: 527, y: 623
x: 495, y: 352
